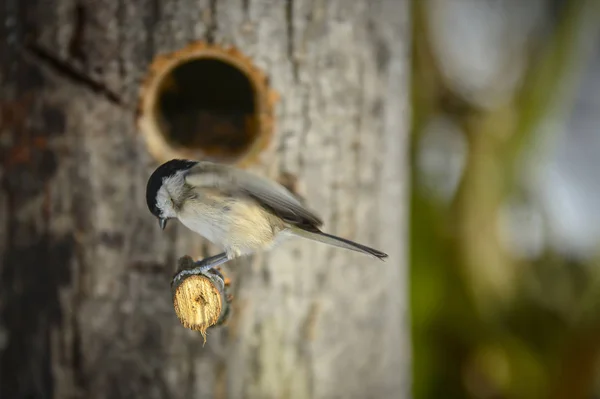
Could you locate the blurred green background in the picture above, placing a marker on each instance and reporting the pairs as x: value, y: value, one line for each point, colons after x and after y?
x: 505, y: 153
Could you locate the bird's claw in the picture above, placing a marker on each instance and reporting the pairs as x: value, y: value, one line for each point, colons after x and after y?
x: 203, y: 266
x: 198, y: 269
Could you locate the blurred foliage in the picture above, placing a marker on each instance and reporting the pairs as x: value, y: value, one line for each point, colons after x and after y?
x: 487, y: 324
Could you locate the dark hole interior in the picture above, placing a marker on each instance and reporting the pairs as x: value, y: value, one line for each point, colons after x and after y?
x: 208, y: 104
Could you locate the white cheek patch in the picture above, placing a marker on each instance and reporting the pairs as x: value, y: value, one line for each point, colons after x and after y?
x: 172, y: 188
x: 164, y: 203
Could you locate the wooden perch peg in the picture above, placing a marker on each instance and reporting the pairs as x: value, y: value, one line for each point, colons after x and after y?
x: 201, y: 300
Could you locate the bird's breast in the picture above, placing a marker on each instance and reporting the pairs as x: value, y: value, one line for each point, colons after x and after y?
x: 238, y: 225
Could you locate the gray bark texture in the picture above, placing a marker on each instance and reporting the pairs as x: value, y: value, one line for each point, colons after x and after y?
x: 85, y: 305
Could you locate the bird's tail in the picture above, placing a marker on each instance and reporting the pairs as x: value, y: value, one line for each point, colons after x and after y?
x: 337, y: 242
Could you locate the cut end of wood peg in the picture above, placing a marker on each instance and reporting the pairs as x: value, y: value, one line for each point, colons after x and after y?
x: 200, y: 300
x: 198, y: 303
x: 208, y: 102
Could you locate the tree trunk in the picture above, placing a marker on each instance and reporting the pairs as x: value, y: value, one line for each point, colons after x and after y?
x: 85, y: 305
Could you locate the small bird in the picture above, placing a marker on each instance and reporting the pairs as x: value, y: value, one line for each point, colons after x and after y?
x: 235, y: 209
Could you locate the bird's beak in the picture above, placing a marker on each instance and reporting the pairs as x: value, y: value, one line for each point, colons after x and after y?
x: 162, y: 222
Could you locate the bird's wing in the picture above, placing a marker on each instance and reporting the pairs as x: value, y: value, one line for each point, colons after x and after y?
x: 268, y: 193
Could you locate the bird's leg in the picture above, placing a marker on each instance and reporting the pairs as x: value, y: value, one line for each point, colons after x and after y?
x: 204, y: 265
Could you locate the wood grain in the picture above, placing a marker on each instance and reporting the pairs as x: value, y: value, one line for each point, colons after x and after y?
x: 85, y: 306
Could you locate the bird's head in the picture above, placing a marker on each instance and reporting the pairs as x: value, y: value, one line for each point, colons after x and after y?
x: 163, y: 188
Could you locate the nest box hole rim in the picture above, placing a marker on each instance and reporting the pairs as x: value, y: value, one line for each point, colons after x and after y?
x: 185, y: 115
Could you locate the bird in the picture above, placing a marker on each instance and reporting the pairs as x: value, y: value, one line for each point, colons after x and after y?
x: 238, y: 210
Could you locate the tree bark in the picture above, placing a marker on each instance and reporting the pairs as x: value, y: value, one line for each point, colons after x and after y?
x: 85, y: 303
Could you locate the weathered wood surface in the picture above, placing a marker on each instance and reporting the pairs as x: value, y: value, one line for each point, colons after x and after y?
x: 85, y: 306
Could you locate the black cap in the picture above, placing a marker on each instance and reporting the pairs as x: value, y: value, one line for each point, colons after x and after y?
x: 155, y: 181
